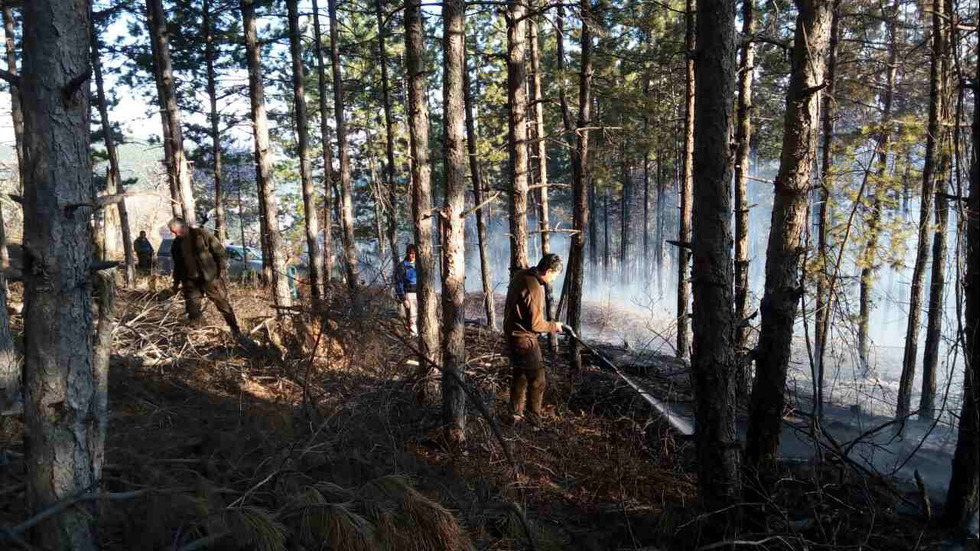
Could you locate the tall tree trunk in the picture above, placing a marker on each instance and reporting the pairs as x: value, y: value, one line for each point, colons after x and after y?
x: 377, y: 192
x: 869, y: 259
x: 541, y: 150
x: 175, y: 205
x: 624, y: 243
x: 453, y: 224
x: 825, y: 296
x: 963, y: 496
x: 15, y: 111
x: 321, y: 74
x: 784, y: 253
x: 179, y: 167
x: 580, y: 205
x: 743, y: 140
x: 346, y: 186
x: 61, y: 387
x: 593, y: 240
x: 315, y: 263
x: 10, y: 371
x: 481, y: 223
x: 517, y: 132
x: 684, y: 237
x: 269, y: 210
x: 713, y: 361
x: 937, y: 281
x: 114, y: 180
x: 418, y: 132
x: 210, y: 55
x: 932, y: 173
x: 646, y: 216
x: 606, y: 249
x: 389, y: 144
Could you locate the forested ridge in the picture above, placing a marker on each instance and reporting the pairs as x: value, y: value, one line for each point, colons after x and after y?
x: 763, y: 333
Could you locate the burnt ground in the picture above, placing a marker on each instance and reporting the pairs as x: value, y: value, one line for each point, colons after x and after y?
x: 209, y: 430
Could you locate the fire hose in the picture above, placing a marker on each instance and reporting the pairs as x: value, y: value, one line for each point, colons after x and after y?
x: 676, y: 422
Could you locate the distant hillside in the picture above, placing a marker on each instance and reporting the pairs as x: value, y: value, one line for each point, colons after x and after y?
x: 136, y: 160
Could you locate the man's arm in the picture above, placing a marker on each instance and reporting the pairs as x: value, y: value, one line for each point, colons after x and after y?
x: 534, y: 304
x: 217, y: 251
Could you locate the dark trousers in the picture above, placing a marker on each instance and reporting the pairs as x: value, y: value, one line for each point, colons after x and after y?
x: 527, y: 380
x: 196, y: 290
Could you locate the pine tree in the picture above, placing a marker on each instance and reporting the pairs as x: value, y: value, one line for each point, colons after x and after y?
x: 62, y: 382
x: 305, y: 166
x: 274, y: 250
x: 713, y: 361
x: 418, y: 126
x: 346, y: 187
x: 784, y: 252
x: 453, y: 224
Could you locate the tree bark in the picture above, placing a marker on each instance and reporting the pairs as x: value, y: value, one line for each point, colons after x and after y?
x: 389, y: 145
x: 61, y: 387
x: 963, y: 496
x: 327, y: 152
x: 15, y: 110
x: 517, y: 132
x: 10, y: 371
x: 713, y: 361
x: 743, y: 141
x: 937, y: 282
x: 315, y: 264
x: 932, y: 173
x: 179, y: 169
x: 541, y: 149
x: 418, y: 131
x: 825, y: 295
x: 269, y: 209
x: 784, y: 252
x: 580, y: 205
x: 114, y: 179
x: 481, y: 223
x: 683, y: 254
x: 453, y: 224
x: 210, y: 56
x: 346, y: 186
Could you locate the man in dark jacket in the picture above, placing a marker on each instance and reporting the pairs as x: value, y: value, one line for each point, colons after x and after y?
x: 406, y: 285
x: 144, y: 253
x: 524, y: 320
x: 199, y: 263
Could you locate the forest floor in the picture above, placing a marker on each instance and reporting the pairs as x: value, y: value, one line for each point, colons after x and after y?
x: 302, y: 441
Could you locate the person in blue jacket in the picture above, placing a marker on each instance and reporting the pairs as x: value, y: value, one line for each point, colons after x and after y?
x: 406, y: 285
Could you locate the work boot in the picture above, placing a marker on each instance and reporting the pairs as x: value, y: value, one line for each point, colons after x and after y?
x: 512, y: 419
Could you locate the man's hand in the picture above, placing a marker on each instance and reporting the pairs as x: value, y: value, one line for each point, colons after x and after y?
x: 406, y: 303
x: 567, y: 329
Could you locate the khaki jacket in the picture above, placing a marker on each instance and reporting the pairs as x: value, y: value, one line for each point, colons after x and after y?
x: 524, y: 316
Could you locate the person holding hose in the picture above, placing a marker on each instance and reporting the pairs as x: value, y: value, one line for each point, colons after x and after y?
x: 524, y: 320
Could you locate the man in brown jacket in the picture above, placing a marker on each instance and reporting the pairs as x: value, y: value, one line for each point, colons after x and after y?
x: 199, y: 262
x: 524, y: 320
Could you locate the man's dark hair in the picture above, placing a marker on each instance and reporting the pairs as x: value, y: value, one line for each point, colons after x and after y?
x: 410, y: 249
x: 550, y: 263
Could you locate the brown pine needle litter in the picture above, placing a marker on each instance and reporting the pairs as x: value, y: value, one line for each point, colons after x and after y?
x: 316, y: 441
